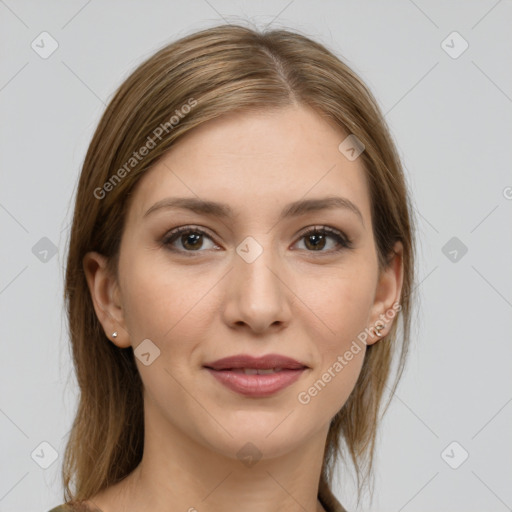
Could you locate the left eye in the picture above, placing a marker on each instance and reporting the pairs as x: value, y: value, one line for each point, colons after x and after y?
x: 317, y: 238
x: 192, y: 239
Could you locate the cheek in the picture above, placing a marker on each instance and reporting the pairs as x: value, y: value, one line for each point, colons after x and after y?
x: 328, y: 389
x: 146, y: 306
x: 337, y: 307
x: 157, y: 298
x: 337, y: 313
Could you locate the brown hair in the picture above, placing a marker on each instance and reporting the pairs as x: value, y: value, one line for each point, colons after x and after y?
x: 217, y: 71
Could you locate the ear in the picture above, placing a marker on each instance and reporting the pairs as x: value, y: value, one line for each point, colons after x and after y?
x: 106, y: 298
x: 387, y: 295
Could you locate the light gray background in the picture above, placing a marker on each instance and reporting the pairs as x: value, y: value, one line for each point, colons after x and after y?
x: 452, y: 121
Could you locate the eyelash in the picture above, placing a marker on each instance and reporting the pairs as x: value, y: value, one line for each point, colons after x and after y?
x: 340, y: 238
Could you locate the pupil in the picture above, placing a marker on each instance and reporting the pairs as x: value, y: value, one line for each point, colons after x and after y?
x: 319, y: 239
x: 194, y: 238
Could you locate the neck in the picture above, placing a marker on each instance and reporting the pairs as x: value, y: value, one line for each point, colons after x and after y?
x: 180, y: 470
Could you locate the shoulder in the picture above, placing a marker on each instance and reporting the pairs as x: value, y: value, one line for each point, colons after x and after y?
x: 61, y: 508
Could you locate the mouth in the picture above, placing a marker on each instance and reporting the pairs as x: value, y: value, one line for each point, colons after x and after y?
x: 273, y: 362
x: 256, y: 377
x: 252, y: 371
x: 257, y: 383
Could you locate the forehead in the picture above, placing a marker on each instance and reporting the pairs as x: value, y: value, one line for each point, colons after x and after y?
x: 256, y: 161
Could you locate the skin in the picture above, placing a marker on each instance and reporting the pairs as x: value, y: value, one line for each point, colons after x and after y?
x: 306, y: 303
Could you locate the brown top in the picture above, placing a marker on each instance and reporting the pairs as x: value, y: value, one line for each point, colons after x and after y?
x: 325, y: 496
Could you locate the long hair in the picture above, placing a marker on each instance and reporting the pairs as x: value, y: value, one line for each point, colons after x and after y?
x: 200, y: 77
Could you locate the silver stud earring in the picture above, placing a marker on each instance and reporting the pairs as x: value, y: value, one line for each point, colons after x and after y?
x: 114, y: 334
x: 379, y: 328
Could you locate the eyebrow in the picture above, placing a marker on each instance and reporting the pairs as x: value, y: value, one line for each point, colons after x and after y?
x: 221, y: 210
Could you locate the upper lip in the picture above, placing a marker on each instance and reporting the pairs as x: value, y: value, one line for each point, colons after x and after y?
x: 259, y: 363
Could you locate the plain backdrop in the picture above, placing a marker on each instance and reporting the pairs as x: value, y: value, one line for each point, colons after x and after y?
x: 442, y: 75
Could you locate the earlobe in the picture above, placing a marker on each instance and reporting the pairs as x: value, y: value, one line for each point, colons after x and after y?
x: 387, y: 295
x: 104, y: 294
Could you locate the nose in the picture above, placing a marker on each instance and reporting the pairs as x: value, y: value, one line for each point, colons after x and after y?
x: 258, y: 296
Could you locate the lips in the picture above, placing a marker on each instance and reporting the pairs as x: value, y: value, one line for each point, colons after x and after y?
x: 256, y: 377
x: 245, y: 361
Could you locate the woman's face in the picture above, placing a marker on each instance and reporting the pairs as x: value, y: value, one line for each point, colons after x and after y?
x: 254, y: 283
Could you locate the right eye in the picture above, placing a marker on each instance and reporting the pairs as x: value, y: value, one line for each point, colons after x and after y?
x: 190, y: 238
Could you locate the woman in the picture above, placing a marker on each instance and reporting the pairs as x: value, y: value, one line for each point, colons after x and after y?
x: 240, y: 254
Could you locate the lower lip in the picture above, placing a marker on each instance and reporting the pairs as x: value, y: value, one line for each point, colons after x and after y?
x: 257, y: 385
